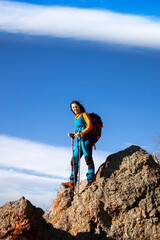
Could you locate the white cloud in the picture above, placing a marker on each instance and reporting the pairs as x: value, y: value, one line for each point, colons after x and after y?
x: 83, y: 24
x: 25, y: 154
x: 38, y: 190
x: 35, y: 170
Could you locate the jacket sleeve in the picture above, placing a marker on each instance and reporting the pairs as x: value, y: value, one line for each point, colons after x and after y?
x: 89, y: 125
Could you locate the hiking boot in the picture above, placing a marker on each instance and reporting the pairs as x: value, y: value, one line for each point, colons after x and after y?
x: 68, y: 184
x: 90, y: 183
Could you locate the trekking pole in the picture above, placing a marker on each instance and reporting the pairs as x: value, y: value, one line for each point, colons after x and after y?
x: 79, y: 162
x: 73, y: 161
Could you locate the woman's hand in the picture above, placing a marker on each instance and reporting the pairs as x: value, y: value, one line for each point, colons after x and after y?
x: 71, y: 135
x: 77, y: 135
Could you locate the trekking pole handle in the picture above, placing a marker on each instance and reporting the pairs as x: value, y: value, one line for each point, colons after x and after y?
x: 79, y: 132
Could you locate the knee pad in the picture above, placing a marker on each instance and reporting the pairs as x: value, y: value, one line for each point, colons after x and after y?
x: 88, y: 160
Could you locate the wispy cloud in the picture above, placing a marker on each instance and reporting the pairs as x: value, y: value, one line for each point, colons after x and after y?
x: 39, y: 190
x: 82, y: 24
x: 35, y: 170
x: 31, y: 156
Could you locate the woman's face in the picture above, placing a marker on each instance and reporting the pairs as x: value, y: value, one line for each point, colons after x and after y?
x: 76, y: 108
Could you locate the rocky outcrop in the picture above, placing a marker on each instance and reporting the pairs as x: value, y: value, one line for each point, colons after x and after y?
x: 20, y: 220
x: 123, y: 202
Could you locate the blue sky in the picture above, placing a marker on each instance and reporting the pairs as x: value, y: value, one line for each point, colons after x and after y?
x: 104, y: 53
x: 143, y: 7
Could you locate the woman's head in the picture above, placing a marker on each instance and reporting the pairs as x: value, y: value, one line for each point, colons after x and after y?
x: 76, y: 107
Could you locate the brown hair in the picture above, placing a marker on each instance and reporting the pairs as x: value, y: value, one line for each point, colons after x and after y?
x: 79, y: 104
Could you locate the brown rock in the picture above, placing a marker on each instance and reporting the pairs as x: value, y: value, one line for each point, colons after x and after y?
x: 123, y: 202
x: 20, y: 220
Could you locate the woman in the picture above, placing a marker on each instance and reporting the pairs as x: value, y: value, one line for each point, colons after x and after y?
x: 82, y: 133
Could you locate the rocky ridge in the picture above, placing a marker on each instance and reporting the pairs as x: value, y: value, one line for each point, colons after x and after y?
x: 123, y: 203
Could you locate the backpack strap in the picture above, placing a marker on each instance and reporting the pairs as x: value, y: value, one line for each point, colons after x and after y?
x: 82, y: 119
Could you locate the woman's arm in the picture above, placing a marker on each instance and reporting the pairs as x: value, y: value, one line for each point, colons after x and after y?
x: 89, y: 125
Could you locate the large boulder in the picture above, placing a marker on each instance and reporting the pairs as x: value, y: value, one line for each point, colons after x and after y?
x: 123, y: 202
x: 20, y: 220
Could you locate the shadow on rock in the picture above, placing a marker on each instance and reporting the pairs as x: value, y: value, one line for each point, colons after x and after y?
x: 61, y: 235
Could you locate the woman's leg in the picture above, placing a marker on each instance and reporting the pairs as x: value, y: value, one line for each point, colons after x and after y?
x: 87, y: 150
x: 75, y: 162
